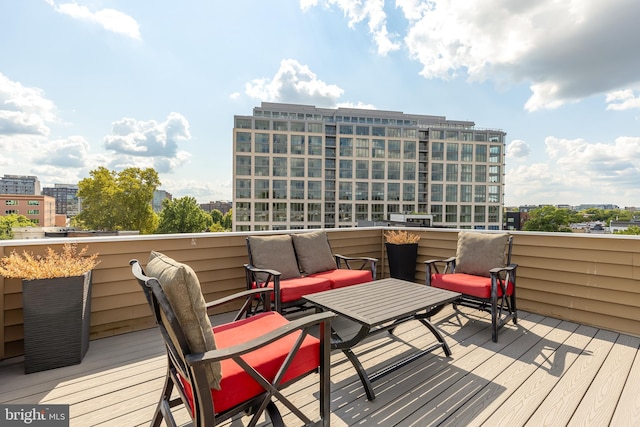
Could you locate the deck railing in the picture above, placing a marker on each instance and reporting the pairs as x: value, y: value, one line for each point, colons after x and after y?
x: 589, y: 279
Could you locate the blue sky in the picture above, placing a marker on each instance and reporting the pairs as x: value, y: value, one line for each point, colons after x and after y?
x: 120, y: 83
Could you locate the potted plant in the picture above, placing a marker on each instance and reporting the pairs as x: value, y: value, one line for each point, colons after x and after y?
x: 402, y: 252
x: 56, y: 304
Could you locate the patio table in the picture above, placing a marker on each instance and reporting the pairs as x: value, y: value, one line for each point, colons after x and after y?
x: 380, y: 306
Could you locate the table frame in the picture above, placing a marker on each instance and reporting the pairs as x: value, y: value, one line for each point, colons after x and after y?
x: 381, y: 306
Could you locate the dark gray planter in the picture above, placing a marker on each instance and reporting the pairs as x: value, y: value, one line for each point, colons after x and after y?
x: 57, y: 318
x: 402, y: 260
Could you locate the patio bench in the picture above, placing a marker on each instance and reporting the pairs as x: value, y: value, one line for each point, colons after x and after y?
x: 300, y: 264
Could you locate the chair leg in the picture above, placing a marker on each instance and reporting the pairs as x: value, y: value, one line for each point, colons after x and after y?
x: 494, y: 320
x: 274, y: 415
x: 163, y: 404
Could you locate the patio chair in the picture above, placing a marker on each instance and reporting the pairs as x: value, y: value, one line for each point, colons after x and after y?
x: 234, y: 368
x: 483, y: 273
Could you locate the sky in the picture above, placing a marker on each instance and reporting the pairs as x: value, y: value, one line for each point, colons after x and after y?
x: 156, y: 83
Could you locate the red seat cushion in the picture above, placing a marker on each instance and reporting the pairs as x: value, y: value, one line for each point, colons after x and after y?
x: 342, y: 277
x: 236, y: 385
x: 467, y: 284
x: 294, y: 289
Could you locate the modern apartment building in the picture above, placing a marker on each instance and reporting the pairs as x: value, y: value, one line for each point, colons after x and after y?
x: 67, y: 201
x: 19, y: 184
x: 298, y: 166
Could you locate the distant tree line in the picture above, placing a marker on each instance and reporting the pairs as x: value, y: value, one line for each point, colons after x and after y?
x: 553, y: 219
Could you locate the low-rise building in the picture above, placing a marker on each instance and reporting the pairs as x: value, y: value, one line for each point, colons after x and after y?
x: 40, y: 209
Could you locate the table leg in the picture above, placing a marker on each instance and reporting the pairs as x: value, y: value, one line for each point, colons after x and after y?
x: 364, y: 378
x: 438, y: 335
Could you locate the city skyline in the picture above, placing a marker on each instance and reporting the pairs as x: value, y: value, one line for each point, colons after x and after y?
x: 119, y: 84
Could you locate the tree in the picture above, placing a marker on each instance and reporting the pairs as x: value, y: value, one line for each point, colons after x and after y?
x: 548, y: 218
x: 221, y: 222
x: 13, y: 220
x: 182, y: 215
x: 227, y: 220
x: 631, y: 230
x: 119, y: 201
x: 216, y: 216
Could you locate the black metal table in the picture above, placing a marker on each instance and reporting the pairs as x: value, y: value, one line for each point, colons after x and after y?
x: 380, y: 306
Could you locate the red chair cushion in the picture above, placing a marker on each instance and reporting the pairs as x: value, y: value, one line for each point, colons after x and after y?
x: 342, y: 277
x: 467, y: 284
x: 294, y: 289
x: 236, y: 385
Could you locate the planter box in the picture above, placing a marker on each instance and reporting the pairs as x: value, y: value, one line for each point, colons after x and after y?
x: 57, y: 314
x: 402, y: 260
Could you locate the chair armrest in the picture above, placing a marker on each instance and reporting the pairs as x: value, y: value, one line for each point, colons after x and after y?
x: 432, y: 263
x: 244, y: 294
x: 509, y: 268
x: 253, y: 269
x: 305, y: 322
x: 364, y: 262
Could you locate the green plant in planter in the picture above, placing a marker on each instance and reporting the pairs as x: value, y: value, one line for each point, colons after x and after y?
x: 402, y: 252
x: 56, y: 304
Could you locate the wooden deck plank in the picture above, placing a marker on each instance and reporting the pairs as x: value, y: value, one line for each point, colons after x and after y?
x: 542, y: 367
x: 560, y: 404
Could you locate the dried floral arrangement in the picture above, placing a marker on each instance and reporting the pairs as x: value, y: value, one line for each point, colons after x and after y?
x: 66, y: 263
x: 400, y: 237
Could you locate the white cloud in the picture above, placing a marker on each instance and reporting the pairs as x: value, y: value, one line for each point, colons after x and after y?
x: 356, y: 105
x: 622, y: 100
x: 364, y: 10
x: 576, y: 169
x: 66, y: 153
x: 294, y: 83
x: 23, y: 110
x: 109, y: 19
x: 132, y: 141
x: 234, y: 95
x: 565, y: 50
x: 518, y: 149
x: 203, y: 190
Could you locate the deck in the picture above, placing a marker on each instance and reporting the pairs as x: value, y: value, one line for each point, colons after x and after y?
x: 543, y: 372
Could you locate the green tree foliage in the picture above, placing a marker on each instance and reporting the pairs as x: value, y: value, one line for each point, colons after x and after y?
x: 631, y: 230
x: 182, y: 215
x: 119, y: 200
x: 221, y: 222
x: 13, y: 220
x: 548, y: 218
x: 604, y: 215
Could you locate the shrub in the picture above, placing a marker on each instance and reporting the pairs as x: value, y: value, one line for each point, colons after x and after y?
x: 400, y: 237
x: 69, y: 262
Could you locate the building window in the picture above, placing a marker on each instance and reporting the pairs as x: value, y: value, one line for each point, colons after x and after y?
x: 243, y: 188
x: 362, y: 147
x: 345, y: 191
x: 377, y: 212
x: 493, y: 214
x: 297, y: 144
x: 262, y: 189
x: 451, y: 193
x: 466, y: 193
x: 243, y: 211
x: 279, y: 189
x: 279, y: 212
x: 261, y: 212
x: 280, y: 143
x: 262, y: 143
x: 378, y: 131
x: 436, y: 211
x: 243, y: 123
x: 466, y: 173
x: 261, y: 167
x: 394, y: 132
x: 279, y: 166
x: 346, y: 129
x: 467, y: 153
x: 243, y: 166
x: 409, y: 150
x: 436, y: 192
x: 377, y: 170
x: 378, y: 149
x: 346, y: 147
x: 481, y: 173
x: 362, y: 191
x: 393, y: 170
x: 314, y: 212
x: 465, y: 213
x: 377, y: 191
x: 11, y: 202
x: 452, y: 152
x: 315, y: 146
x: 314, y: 127
x: 362, y: 212
x: 314, y: 190
x: 482, y: 137
x: 495, y: 154
x: 261, y: 124
x: 408, y: 192
x: 11, y: 212
x: 35, y: 220
x: 437, y: 171
x: 297, y: 212
x: 346, y: 169
x: 314, y: 168
x: 297, y: 167
x: 437, y: 151
x: 494, y: 173
x: 393, y: 149
x: 280, y: 126
x: 452, y: 172
x: 243, y: 142
x: 33, y: 202
x: 393, y: 191
x: 409, y: 171
x: 362, y: 130
x: 362, y: 169
x: 480, y: 194
x: 479, y: 213
x: 297, y: 127
x: 451, y: 215
x: 494, y: 194
x: 481, y: 153
x: 345, y: 212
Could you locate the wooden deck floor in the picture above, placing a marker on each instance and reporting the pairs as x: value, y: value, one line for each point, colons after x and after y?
x: 542, y: 372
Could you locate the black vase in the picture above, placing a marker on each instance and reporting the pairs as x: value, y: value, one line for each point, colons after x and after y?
x: 402, y: 260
